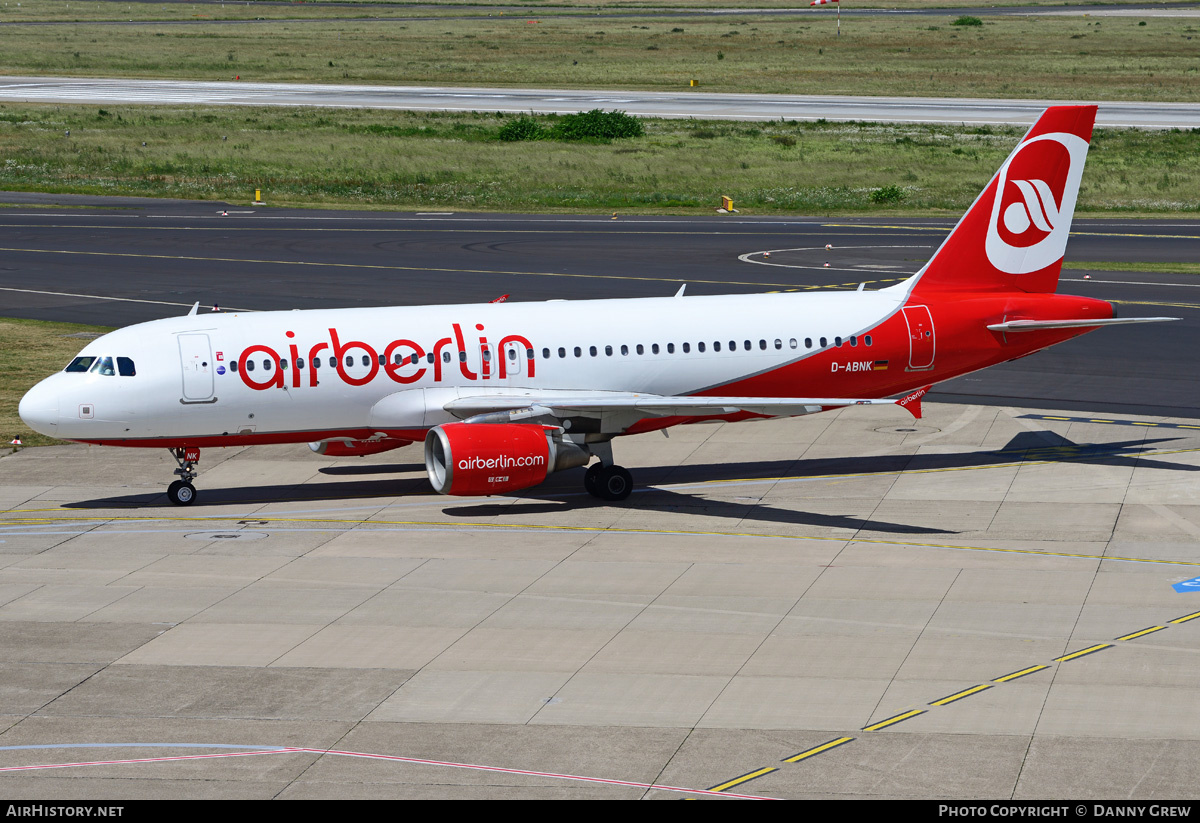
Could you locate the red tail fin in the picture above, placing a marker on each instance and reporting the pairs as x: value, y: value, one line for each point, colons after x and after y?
x: 1014, y: 235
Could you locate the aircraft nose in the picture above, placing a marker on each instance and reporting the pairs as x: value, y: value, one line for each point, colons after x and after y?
x: 39, y: 409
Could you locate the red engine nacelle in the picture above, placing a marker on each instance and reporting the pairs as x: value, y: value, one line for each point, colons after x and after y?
x: 356, y: 448
x: 493, y: 458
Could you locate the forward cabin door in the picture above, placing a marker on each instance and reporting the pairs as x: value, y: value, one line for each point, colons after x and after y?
x: 195, y: 356
x: 921, y: 340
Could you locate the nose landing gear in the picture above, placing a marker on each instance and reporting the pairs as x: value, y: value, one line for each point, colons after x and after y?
x: 182, y: 492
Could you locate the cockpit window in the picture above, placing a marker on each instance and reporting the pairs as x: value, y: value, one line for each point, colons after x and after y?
x: 80, y: 364
x: 104, y: 366
x: 125, y: 367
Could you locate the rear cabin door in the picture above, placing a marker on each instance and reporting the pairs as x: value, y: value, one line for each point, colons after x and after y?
x: 921, y: 340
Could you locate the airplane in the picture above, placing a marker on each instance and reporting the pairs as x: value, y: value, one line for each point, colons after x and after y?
x: 503, y: 394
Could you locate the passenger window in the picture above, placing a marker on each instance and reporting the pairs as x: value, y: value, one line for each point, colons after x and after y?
x: 640, y: 349
x: 316, y: 362
x: 545, y: 354
x: 249, y: 365
x: 670, y: 348
x: 299, y: 363
x: 654, y: 348
x: 415, y: 358
x: 445, y: 357
x: 529, y: 354
x: 762, y: 344
x: 837, y: 341
x: 266, y: 365
x: 349, y: 360
x: 487, y: 356
x: 608, y: 350
x: 853, y: 340
x: 578, y: 352
x: 867, y: 339
x: 80, y: 364
x: 398, y: 359
x: 562, y: 352
x: 700, y: 346
x: 333, y: 362
x: 793, y: 343
x: 808, y: 342
x: 716, y: 345
x: 747, y: 345
x: 733, y: 345
x: 687, y: 347
x: 778, y: 343
x: 233, y: 366
x: 366, y: 360
x: 592, y: 351
x: 462, y: 356
x: 282, y: 364
x: 824, y: 342
x: 125, y: 367
x: 624, y: 349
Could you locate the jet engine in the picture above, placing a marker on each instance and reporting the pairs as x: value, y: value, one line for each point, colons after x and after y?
x: 493, y: 458
x: 356, y: 448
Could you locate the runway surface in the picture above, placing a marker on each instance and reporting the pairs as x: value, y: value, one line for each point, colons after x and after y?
x: 851, y: 605
x: 563, y: 101
x: 121, y: 261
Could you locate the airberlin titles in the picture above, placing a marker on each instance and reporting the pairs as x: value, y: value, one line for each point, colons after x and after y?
x: 404, y: 361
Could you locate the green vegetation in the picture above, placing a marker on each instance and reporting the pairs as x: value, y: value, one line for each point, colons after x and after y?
x: 1156, y: 267
x: 967, y: 20
x: 406, y: 160
x: 594, y: 126
x: 30, y: 350
x: 1081, y: 58
x: 91, y: 10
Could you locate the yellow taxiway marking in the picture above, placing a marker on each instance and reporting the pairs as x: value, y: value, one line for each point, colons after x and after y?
x: 893, y: 720
x: 1185, y: 618
x: 1082, y: 652
x: 1021, y: 673
x: 378, y: 267
x: 1142, y: 633
x: 267, y: 518
x: 737, y: 781
x: 815, y: 750
x: 960, y: 695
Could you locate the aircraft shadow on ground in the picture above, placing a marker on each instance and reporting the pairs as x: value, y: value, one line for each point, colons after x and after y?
x: 680, y: 488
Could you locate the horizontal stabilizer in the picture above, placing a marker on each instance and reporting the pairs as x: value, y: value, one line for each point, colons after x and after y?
x: 1038, y: 325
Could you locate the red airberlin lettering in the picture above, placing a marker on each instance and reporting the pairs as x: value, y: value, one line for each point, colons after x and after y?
x: 357, y: 363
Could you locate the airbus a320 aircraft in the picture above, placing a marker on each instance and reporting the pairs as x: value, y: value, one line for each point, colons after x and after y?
x: 503, y: 394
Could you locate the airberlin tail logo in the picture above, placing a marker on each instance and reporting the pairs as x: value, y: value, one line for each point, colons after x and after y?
x: 1033, y: 203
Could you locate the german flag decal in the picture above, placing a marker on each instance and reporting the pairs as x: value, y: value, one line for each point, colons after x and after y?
x: 880, y: 365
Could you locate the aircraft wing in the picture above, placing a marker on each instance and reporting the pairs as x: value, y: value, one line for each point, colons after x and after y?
x: 497, y: 408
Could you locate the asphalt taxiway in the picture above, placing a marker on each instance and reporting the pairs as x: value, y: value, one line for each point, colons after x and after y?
x: 979, y: 604
x: 116, y: 261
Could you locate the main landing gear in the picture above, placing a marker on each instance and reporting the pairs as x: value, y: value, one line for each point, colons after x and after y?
x: 608, y: 482
x: 182, y: 492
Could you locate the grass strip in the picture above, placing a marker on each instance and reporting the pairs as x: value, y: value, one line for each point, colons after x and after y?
x: 1140, y: 266
x: 1035, y: 56
x: 455, y: 161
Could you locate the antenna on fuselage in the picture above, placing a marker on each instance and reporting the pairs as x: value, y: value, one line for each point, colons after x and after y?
x: 195, y: 308
x: 680, y: 292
